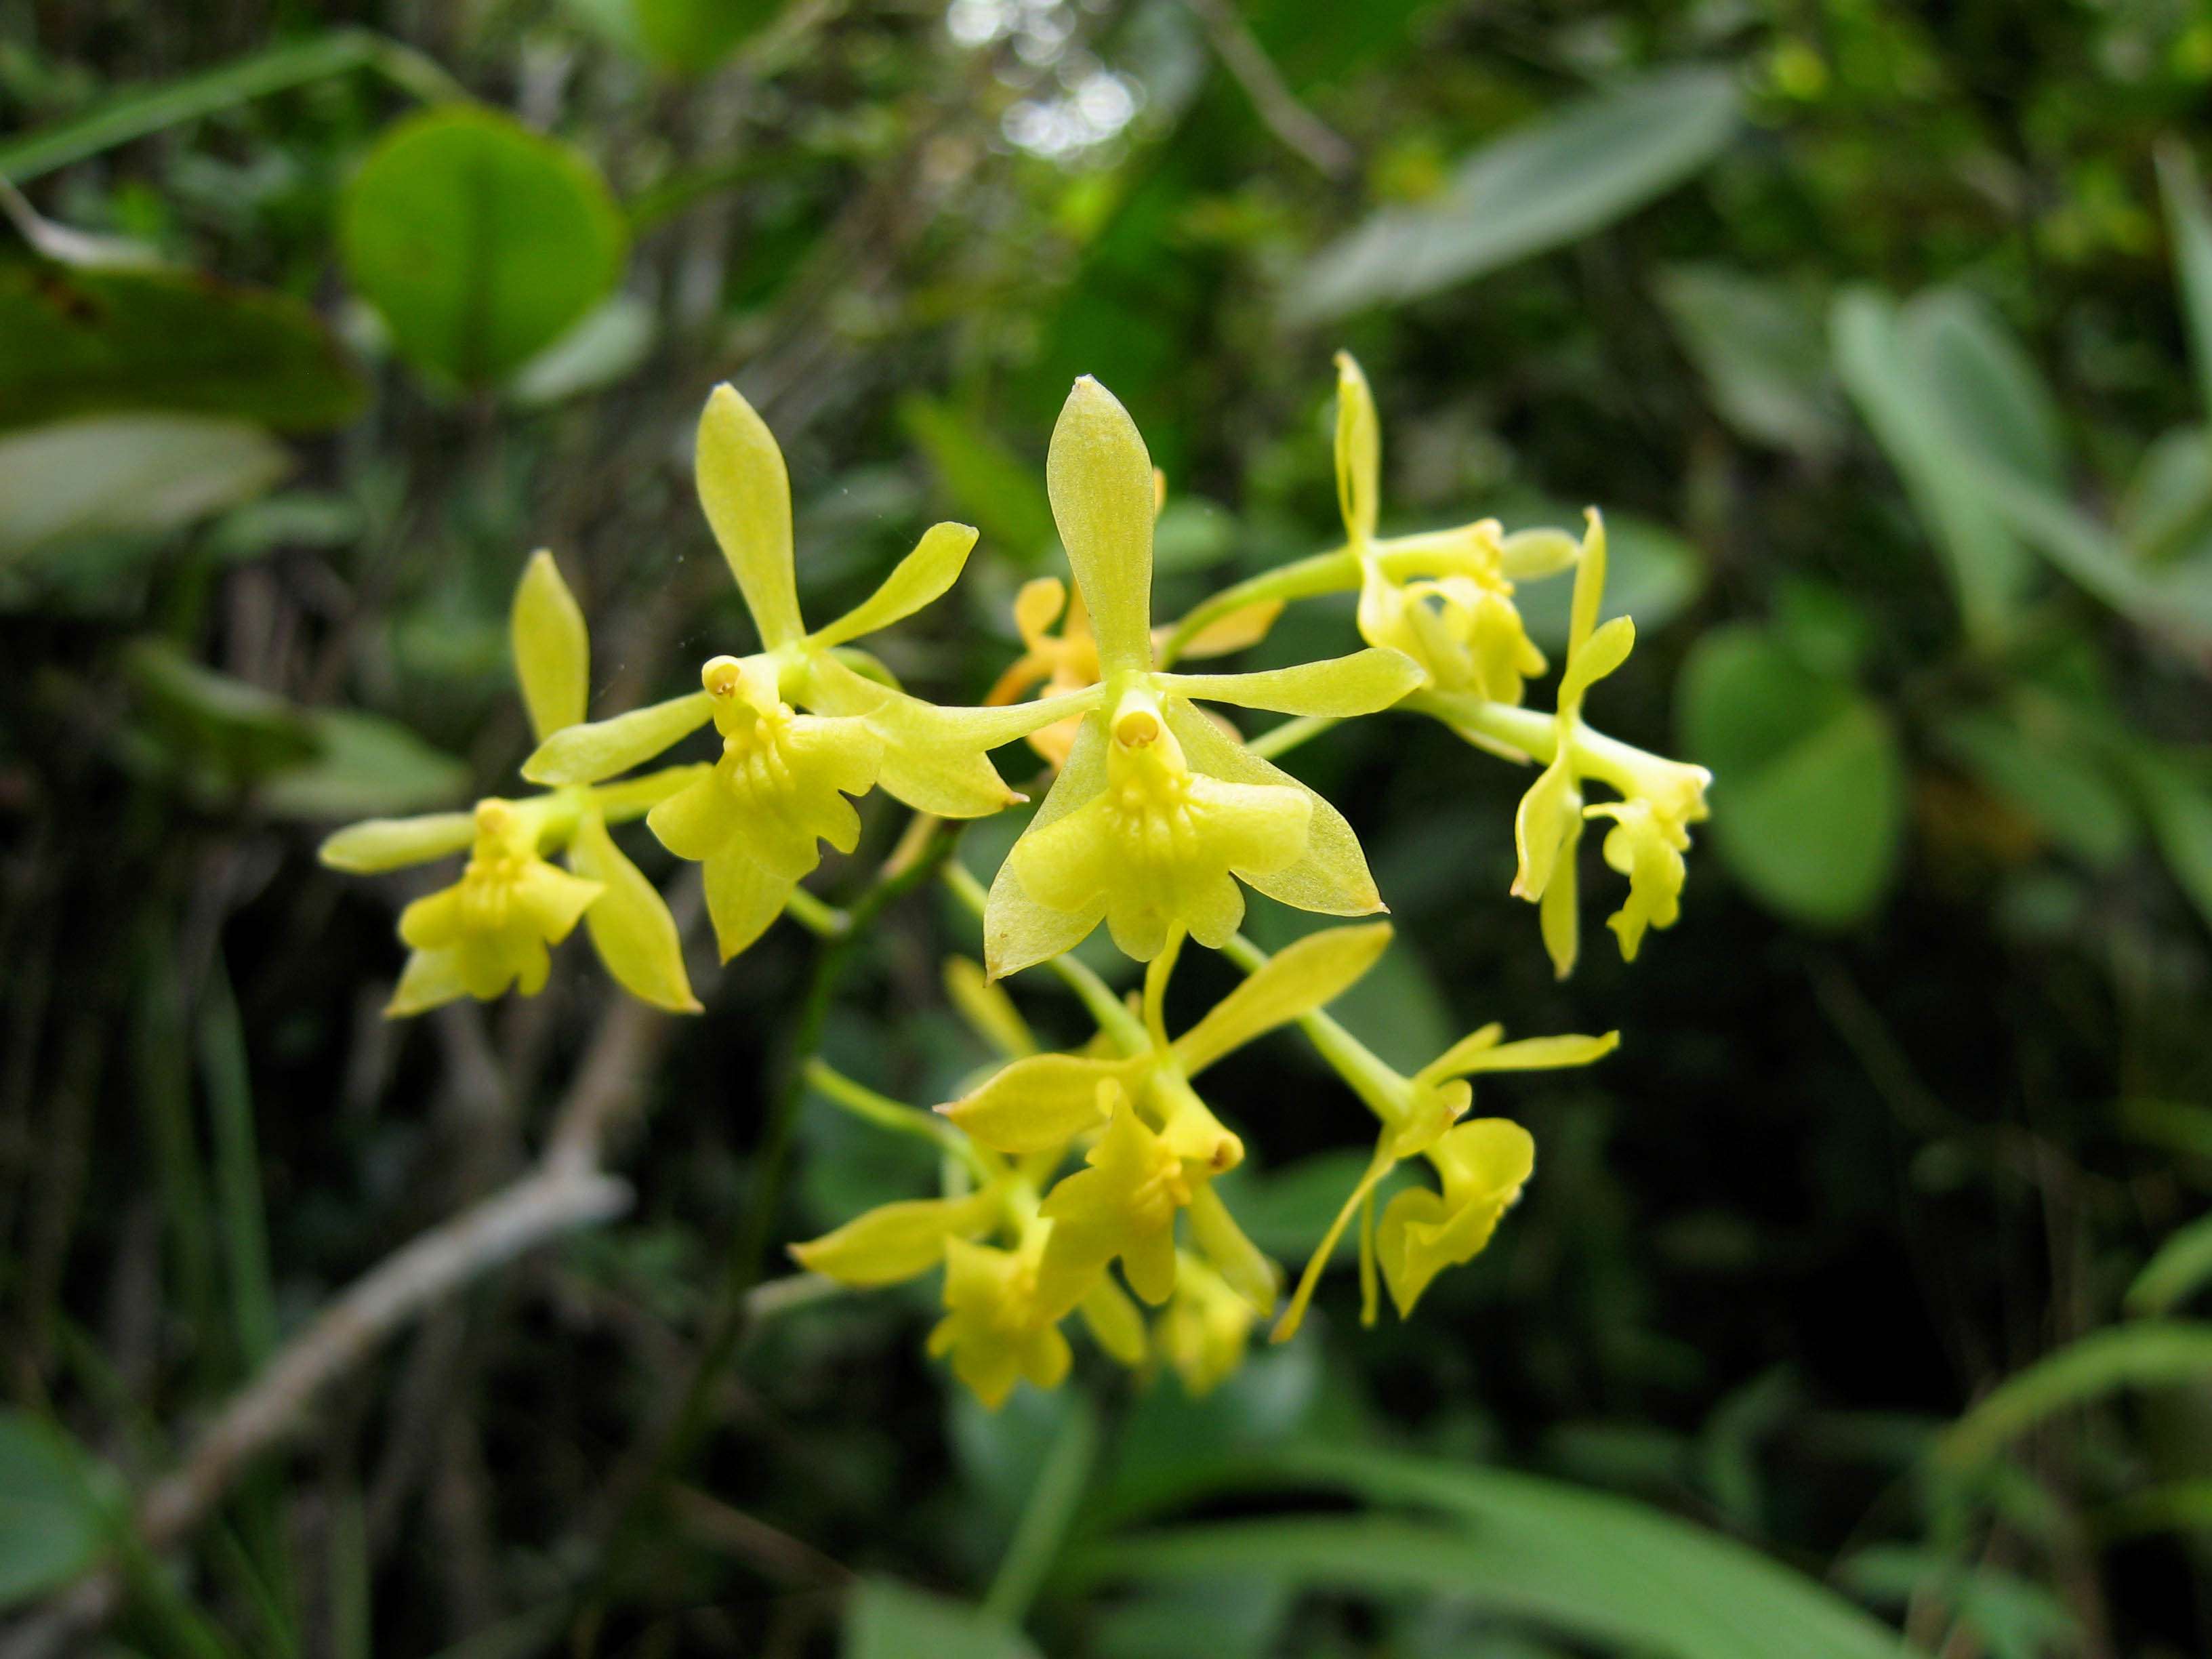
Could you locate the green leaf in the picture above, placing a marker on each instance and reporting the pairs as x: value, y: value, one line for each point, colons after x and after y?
x: 691, y: 37
x: 987, y: 482
x: 85, y: 340
x: 1988, y: 568
x: 1537, y: 188
x: 213, y: 719
x: 2144, y: 1355
x: 1761, y: 352
x: 480, y: 241
x: 129, y: 474
x: 50, y: 1525
x: 1594, y: 1568
x: 607, y: 346
x: 2181, y: 1267
x: 142, y: 110
x: 2190, y: 227
x: 885, y: 1620
x: 365, y: 766
x: 1987, y: 391
x: 1809, y: 785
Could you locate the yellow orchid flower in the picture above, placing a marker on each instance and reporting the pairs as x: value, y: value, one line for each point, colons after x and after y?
x: 1456, y: 616
x: 993, y: 1328
x: 491, y: 929
x: 1162, y: 1144
x: 1205, y: 1331
x: 800, y: 730
x: 1483, y: 1165
x: 1666, y: 796
x: 1156, y: 815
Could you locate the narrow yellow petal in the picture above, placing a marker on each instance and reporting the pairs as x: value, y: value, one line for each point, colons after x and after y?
x: 1295, y: 980
x: 1339, y: 687
x: 1358, y: 451
x: 746, y: 492
x: 933, y: 565
x: 552, y: 653
x: 1100, y: 481
x: 594, y: 752
x: 380, y: 844
x: 629, y: 924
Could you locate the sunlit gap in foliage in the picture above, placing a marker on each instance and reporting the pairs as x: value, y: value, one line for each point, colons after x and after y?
x: 1074, y: 103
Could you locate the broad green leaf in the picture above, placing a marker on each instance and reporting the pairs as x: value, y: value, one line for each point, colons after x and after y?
x: 480, y: 241
x: 83, y: 341
x: 1988, y: 568
x: 2147, y: 1354
x: 1539, y: 187
x: 2189, y: 227
x: 1589, y: 1566
x: 2181, y: 1267
x: 1987, y: 391
x: 1652, y: 574
x: 1808, y: 784
x: 885, y: 1620
x: 1761, y: 352
x: 132, y: 474
x: 50, y: 1525
x: 364, y: 766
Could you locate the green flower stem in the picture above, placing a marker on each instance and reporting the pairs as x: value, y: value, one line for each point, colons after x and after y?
x: 1336, y: 571
x: 1098, y: 999
x: 1536, y: 733
x: 1045, y: 1519
x: 745, y: 1256
x: 1384, y: 1091
x: 895, y: 1116
x: 1281, y: 739
x: 822, y: 920
x: 633, y: 798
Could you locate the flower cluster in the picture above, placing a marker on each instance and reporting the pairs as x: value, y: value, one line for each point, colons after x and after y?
x: 1082, y: 1184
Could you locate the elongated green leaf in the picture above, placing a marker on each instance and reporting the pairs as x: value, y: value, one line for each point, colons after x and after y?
x: 2143, y: 1355
x: 2051, y: 776
x: 135, y: 113
x: 84, y: 340
x: 364, y: 766
x: 2182, y: 1266
x: 1539, y: 187
x: 2179, y: 804
x: 884, y: 1619
x: 2189, y: 226
x: 1808, y: 784
x: 1987, y: 391
x: 480, y: 241
x: 1595, y: 1568
x: 51, y: 1527
x: 1987, y: 566
x: 986, y: 481
x: 129, y: 474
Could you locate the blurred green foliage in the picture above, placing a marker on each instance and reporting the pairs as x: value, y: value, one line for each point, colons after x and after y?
x: 1884, y: 336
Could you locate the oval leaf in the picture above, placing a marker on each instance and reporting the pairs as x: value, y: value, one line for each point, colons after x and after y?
x: 1808, y: 786
x: 480, y: 241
